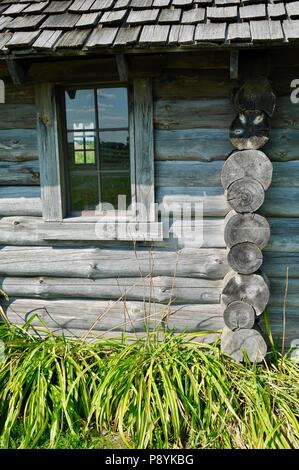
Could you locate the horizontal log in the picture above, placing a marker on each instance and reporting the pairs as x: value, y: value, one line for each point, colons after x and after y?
x: 65, y: 70
x: 196, y: 174
x: 196, y: 233
x: 18, y: 145
x: 218, y: 113
x: 20, y: 200
x: 174, y: 290
x: 17, y: 116
x: 19, y: 173
x: 211, y: 200
x: 114, y: 316
x: 205, y: 144
x: 276, y: 263
x: 19, y: 94
x: 193, y: 114
x: 96, y: 263
x: 189, y: 85
x: 279, y: 202
x: 198, y: 60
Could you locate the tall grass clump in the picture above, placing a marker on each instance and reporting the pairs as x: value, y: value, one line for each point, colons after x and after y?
x: 167, y: 392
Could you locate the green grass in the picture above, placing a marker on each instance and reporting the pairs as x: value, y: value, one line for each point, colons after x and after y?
x: 170, y: 393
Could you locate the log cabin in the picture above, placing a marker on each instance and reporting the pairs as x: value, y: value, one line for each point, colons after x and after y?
x: 149, y: 167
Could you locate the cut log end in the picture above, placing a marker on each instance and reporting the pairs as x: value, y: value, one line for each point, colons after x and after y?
x: 251, y: 228
x: 245, y: 258
x: 242, y: 345
x: 247, y: 164
x: 239, y: 315
x: 245, y: 195
x: 252, y: 289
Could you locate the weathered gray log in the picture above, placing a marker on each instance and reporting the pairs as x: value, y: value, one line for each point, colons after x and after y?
x: 239, y: 315
x: 245, y: 195
x: 257, y: 94
x: 115, y: 316
x: 162, y: 289
x: 279, y: 202
x: 20, y: 200
x: 250, y: 130
x: 218, y: 113
x: 242, y: 344
x: 190, y: 174
x: 17, y: 116
x: 245, y: 258
x: 12, y: 173
x: 276, y: 263
x: 252, y: 289
x: 18, y: 145
x: 201, y: 144
x: 247, y: 164
x: 95, y: 263
x: 241, y: 228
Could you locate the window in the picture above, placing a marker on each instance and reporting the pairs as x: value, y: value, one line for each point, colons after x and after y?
x: 98, y: 149
x: 96, y: 152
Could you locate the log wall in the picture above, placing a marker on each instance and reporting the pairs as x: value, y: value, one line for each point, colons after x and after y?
x: 176, y: 283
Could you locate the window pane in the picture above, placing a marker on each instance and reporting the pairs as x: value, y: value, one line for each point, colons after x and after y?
x: 84, y: 192
x: 113, y: 108
x: 80, y: 109
x: 113, y: 185
x: 81, y: 148
x: 114, y: 150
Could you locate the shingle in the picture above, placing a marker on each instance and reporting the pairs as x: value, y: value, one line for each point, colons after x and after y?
x: 127, y: 35
x: 142, y: 16
x: 154, y: 34
x: 102, y: 36
x: 56, y: 6
x: 113, y: 16
x: 170, y: 15
x: 210, y: 32
x: 222, y: 13
x: 47, y: 39
x: 88, y: 19
x: 73, y: 39
x: 291, y: 29
x: 253, y: 11
x: 196, y: 15
x: 26, y: 22
x: 293, y: 9
x: 238, y: 32
x: 61, y: 21
x: 266, y: 30
x: 22, y: 39
x: 276, y: 10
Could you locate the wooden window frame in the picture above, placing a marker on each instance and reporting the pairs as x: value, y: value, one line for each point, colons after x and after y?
x: 56, y: 223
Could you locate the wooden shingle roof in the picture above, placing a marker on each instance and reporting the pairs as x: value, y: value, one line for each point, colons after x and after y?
x: 53, y: 25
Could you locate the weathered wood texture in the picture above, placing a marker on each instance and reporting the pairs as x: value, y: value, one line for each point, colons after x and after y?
x: 20, y: 200
x: 163, y: 289
x: 243, y: 344
x: 251, y: 289
x: 247, y: 164
x: 245, y: 195
x: 245, y: 258
x: 241, y: 228
x: 96, y: 263
x: 115, y: 316
x: 239, y: 315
